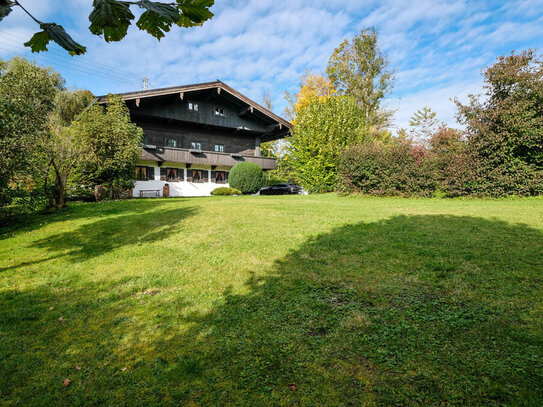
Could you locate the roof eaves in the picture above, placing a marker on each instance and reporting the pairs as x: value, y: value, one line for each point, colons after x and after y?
x: 199, y: 86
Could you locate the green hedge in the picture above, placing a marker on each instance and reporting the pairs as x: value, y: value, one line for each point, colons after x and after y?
x: 407, y: 170
x: 226, y: 191
x: 378, y: 169
x: 247, y: 177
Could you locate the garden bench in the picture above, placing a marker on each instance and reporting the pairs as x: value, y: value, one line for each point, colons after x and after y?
x: 150, y: 192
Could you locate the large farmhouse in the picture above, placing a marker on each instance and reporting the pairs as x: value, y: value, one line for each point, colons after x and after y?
x: 194, y: 135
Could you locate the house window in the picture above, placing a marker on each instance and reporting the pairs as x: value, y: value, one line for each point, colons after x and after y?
x: 196, y: 145
x: 219, y: 148
x: 171, y: 174
x: 219, y: 111
x: 219, y: 177
x: 199, y: 175
x: 141, y: 173
x: 145, y: 173
x: 170, y: 142
x: 193, y: 107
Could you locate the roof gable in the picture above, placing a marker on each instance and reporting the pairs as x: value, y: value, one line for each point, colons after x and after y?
x: 220, y: 87
x: 202, y: 107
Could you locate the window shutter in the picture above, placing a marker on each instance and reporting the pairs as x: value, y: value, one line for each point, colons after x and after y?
x: 150, y: 173
x: 163, y: 172
x: 189, y: 175
x: 213, y: 176
x: 206, y: 175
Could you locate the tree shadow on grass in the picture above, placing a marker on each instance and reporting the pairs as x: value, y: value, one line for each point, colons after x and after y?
x: 80, y: 211
x: 110, y: 228
x: 413, y: 310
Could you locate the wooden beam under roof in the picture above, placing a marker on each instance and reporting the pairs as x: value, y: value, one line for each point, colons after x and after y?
x: 246, y: 110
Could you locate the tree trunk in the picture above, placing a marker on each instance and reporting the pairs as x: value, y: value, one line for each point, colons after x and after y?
x: 62, y: 191
x: 61, y: 188
x: 50, y: 196
x: 110, y: 192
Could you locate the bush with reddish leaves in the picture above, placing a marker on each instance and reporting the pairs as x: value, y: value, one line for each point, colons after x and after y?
x: 388, y: 169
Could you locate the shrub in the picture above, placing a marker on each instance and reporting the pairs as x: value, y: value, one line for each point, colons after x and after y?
x: 395, y: 169
x: 247, y: 177
x: 226, y: 191
x: 80, y: 192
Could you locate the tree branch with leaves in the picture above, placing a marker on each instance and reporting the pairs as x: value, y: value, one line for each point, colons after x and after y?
x: 111, y: 19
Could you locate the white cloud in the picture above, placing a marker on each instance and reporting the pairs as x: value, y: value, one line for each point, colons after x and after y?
x: 437, y: 46
x: 440, y: 99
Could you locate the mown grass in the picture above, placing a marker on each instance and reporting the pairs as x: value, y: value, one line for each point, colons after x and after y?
x: 315, y: 300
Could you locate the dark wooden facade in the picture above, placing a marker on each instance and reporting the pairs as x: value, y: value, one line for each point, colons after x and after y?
x: 205, y: 158
x: 158, y: 133
x: 226, y: 126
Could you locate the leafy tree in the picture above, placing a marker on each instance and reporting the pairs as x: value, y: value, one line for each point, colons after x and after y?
x: 68, y: 105
x: 424, y: 124
x: 505, y: 127
x: 112, y: 141
x: 267, y: 100
x: 283, y: 173
x: 322, y: 129
x: 359, y: 69
x: 27, y: 94
x: 270, y: 149
x: 312, y: 87
x: 63, y: 147
x: 111, y: 19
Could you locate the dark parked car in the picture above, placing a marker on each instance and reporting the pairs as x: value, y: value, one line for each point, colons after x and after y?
x: 282, y: 189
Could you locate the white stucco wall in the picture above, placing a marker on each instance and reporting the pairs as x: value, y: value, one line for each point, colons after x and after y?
x: 182, y: 188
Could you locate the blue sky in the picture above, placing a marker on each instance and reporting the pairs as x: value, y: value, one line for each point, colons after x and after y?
x: 437, y: 47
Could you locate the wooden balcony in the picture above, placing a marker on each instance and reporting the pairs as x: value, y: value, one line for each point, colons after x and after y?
x: 181, y: 155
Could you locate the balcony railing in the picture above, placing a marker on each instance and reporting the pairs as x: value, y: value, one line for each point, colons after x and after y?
x: 182, y: 155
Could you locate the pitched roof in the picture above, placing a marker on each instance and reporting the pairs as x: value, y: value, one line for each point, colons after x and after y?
x: 219, y: 85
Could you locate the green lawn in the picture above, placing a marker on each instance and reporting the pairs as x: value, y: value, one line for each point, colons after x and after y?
x: 264, y: 301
